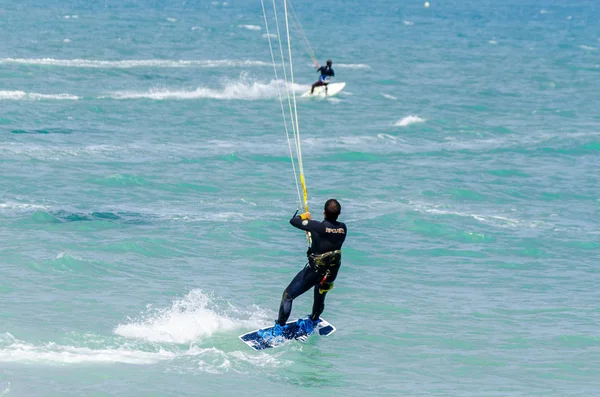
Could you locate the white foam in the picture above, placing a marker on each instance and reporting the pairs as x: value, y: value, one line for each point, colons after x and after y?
x: 21, y: 206
x: 250, y: 27
x: 358, y: 141
x: 125, y: 64
x: 352, y: 66
x: 67, y: 40
x: 22, y: 95
x: 408, y: 120
x: 197, y: 28
x: 387, y: 137
x: 210, y: 360
x: 587, y: 48
x: 270, y: 35
x: 495, y: 220
x: 408, y: 23
x: 544, y: 12
x: 241, y: 89
x: 490, y: 219
x: 204, y: 217
x: 4, y: 388
x: 388, y: 96
x: 172, y: 19
x: 14, y: 350
x: 493, y: 42
x: 194, y: 317
x: 215, y: 361
x: 263, y: 361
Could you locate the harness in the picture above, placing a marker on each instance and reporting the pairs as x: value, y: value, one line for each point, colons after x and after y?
x: 323, y: 264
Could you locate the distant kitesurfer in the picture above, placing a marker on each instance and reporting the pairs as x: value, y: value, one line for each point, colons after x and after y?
x: 326, y: 74
x: 324, y: 260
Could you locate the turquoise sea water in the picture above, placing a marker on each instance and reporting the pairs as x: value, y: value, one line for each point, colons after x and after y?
x: 146, y: 189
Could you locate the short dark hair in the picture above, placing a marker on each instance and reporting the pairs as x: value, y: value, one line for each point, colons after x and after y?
x: 332, y: 209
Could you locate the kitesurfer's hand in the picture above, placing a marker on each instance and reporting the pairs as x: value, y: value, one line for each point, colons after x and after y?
x: 306, y: 216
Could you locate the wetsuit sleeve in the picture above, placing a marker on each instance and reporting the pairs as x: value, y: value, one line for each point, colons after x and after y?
x: 309, y: 226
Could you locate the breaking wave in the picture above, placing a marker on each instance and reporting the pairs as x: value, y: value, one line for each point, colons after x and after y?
x: 34, y: 96
x: 408, y: 120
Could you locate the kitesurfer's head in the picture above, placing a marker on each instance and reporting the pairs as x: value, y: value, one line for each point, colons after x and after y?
x: 332, y: 210
x: 329, y: 63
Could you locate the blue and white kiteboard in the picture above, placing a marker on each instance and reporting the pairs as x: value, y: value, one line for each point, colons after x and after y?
x: 291, y: 332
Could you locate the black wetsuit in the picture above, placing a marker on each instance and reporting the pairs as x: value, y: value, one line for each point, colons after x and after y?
x: 326, y: 73
x: 324, y: 260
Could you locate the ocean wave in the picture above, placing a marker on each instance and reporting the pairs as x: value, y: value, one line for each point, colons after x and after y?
x: 65, y: 262
x: 34, y: 96
x: 387, y: 137
x: 388, y: 96
x: 126, y: 64
x: 44, y: 131
x: 53, y: 152
x: 408, y: 120
x: 11, y: 206
x: 358, y: 141
x: 121, y: 180
x: 241, y: 89
x: 494, y: 220
x: 353, y: 66
x: 250, y: 27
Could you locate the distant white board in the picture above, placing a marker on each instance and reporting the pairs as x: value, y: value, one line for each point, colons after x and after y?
x: 332, y: 89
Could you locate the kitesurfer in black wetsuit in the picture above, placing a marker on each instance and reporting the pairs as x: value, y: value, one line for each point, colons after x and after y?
x: 324, y: 260
x: 326, y: 74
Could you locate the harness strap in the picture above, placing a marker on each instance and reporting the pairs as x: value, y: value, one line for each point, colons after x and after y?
x: 325, y: 260
x: 323, y: 264
x: 324, y: 277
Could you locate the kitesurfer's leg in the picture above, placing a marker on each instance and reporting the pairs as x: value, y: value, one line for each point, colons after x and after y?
x: 304, y: 280
x: 315, y: 85
x: 319, y: 294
